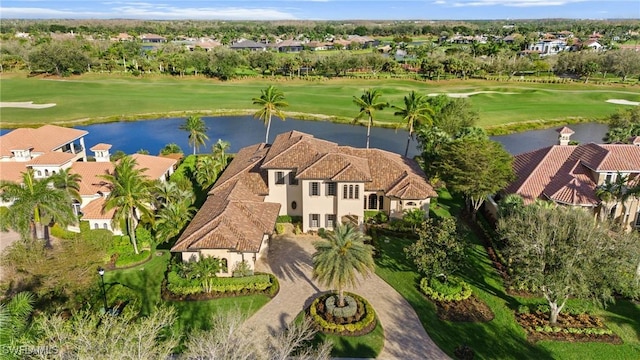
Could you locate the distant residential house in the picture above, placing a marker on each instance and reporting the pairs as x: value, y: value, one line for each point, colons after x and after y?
x: 298, y: 175
x: 249, y: 45
x: 319, y: 45
x: 364, y: 41
x: 569, y: 175
x: 152, y: 39
x: 592, y: 45
x: 289, y: 46
x: 548, y: 47
x: 122, y: 37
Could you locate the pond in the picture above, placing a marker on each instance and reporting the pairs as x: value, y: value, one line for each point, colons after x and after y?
x: 241, y: 131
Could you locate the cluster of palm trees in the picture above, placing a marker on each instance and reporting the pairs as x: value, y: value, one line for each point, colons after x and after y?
x: 416, y: 110
x: 617, y: 192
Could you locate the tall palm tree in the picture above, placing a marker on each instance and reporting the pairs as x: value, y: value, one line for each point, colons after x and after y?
x: 218, y: 150
x: 416, y: 111
x: 35, y: 205
x: 207, y: 170
x: 340, y: 256
x: 368, y: 103
x: 171, y: 219
x: 69, y: 182
x: 197, y: 131
x: 130, y: 196
x: 271, y: 102
x: 14, y: 320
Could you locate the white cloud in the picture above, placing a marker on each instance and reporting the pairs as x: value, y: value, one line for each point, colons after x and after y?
x: 143, y: 10
x: 514, y: 3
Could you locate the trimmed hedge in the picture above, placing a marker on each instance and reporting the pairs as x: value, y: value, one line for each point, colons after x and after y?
x: 348, y: 310
x: 177, y: 288
x: 364, y: 326
x: 455, y: 289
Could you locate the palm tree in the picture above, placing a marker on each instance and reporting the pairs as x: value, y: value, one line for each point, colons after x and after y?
x: 35, y: 204
x: 271, y: 102
x: 171, y: 219
x: 340, y: 256
x: 207, y: 170
x: 218, y: 150
x: 130, y: 195
x: 368, y: 104
x: 197, y: 131
x: 416, y: 111
x: 14, y: 320
x: 69, y: 182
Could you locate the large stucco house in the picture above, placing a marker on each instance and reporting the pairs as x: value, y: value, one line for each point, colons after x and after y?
x: 298, y: 175
x: 50, y: 148
x: 570, y: 174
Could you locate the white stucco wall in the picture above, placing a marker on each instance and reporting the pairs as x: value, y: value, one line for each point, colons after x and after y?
x: 284, y: 194
x: 321, y: 204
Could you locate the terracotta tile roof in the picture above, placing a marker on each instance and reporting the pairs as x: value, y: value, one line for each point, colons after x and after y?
x: 337, y: 167
x: 100, y: 147
x: 12, y: 171
x: 565, y: 173
x: 55, y: 158
x: 635, y: 140
x: 394, y: 174
x: 565, y: 131
x: 224, y: 222
x: 246, y: 167
x: 91, y: 183
x: 93, y: 210
x: 320, y: 159
x: 156, y: 166
x: 43, y: 139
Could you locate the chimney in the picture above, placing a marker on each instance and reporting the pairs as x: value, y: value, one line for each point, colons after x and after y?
x: 101, y: 152
x: 565, y: 135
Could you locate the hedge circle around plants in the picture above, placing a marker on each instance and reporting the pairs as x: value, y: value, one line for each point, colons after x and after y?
x: 361, y: 323
x: 455, y: 289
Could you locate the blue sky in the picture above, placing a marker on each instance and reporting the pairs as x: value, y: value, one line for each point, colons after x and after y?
x: 320, y: 9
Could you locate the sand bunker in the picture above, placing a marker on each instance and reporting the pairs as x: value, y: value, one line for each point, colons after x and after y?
x: 623, y: 102
x: 464, y: 95
x: 25, y: 105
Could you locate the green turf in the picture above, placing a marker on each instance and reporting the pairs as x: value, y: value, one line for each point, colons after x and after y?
x: 501, y: 338
x: 96, y: 97
x: 146, y: 280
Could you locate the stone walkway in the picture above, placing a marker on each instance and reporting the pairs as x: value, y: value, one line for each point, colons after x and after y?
x: 289, y: 259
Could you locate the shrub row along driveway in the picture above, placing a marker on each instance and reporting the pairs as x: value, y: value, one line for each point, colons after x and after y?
x: 289, y: 259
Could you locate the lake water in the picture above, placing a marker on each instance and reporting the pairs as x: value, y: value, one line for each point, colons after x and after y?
x: 241, y: 131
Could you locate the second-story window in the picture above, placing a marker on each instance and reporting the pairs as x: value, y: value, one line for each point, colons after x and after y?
x: 292, y: 178
x: 279, y: 177
x: 331, y: 189
x: 345, y: 192
x: 314, y: 188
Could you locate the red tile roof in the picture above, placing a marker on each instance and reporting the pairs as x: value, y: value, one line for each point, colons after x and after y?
x: 565, y: 131
x: 93, y: 210
x: 100, y: 147
x: 156, y: 166
x: 12, y: 171
x: 90, y: 182
x: 566, y: 173
x: 43, y: 139
x: 55, y: 158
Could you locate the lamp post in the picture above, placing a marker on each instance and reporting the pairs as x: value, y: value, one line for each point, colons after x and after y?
x: 104, y: 293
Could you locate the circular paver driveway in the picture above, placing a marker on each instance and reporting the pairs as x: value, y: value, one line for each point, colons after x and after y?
x: 289, y: 258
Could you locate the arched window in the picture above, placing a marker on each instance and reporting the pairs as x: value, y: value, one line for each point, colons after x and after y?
x: 39, y: 173
x: 105, y: 226
x: 373, y: 202
x: 380, y: 202
x: 46, y: 172
x: 223, y: 265
x: 96, y: 226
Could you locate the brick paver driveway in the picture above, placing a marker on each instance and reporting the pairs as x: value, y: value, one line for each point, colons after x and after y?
x: 289, y: 259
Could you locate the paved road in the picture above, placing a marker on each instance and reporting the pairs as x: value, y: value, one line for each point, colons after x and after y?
x: 6, y: 239
x: 289, y: 259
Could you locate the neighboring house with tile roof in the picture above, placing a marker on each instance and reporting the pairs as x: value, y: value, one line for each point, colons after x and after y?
x: 94, y: 189
x: 298, y: 175
x: 569, y: 175
x: 249, y: 45
x: 47, y: 150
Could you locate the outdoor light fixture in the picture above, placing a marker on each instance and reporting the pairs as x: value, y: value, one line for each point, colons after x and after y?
x: 104, y: 293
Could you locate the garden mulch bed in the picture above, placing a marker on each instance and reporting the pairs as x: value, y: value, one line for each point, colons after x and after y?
x: 530, y: 321
x: 468, y: 310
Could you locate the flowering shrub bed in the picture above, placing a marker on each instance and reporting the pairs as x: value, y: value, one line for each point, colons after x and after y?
x: 178, y: 288
x: 454, y: 289
x: 569, y: 327
x: 361, y: 323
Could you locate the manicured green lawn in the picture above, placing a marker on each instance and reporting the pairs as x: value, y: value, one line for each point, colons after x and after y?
x: 146, y: 280
x: 102, y: 98
x: 501, y: 338
x: 366, y: 346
